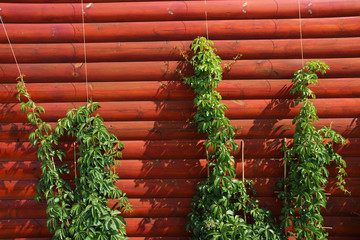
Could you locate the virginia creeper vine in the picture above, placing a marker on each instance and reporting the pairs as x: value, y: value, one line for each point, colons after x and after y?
x: 307, y: 159
x: 220, y: 200
x: 78, y: 210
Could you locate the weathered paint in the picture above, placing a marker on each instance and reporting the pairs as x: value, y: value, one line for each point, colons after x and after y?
x: 132, y: 60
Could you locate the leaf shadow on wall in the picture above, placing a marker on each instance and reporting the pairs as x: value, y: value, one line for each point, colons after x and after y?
x: 171, y: 168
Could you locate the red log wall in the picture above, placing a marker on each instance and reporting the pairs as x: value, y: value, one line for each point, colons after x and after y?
x: 132, y: 57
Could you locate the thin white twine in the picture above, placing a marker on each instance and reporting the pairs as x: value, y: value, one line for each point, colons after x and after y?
x: 83, y: 26
x: 75, y: 159
x: 242, y: 159
x: 206, y: 22
x: 207, y: 163
x: 301, y: 39
x: 12, y: 50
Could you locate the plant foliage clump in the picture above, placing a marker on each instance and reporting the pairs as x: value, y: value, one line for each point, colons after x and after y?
x: 80, y: 211
x: 307, y: 159
x: 221, y: 200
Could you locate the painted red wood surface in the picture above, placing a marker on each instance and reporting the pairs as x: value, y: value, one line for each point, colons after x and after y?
x: 183, y: 30
x: 170, y: 50
x: 175, y: 90
x: 152, y: 227
x: 174, y: 10
x: 166, y: 70
x: 182, y: 110
x: 133, y: 51
x: 161, y: 130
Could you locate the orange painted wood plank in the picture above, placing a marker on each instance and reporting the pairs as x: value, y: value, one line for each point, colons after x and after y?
x: 158, y: 238
x: 182, y: 238
x: 342, y: 237
x: 183, y: 110
x: 183, y: 30
x: 169, y: 168
x: 142, y: 207
x: 130, y: 238
x: 172, y: 207
x: 345, y: 226
x: 87, y: 1
x: 166, y: 71
x: 163, y: 188
x: 135, y: 227
x: 176, y: 90
x: 174, y: 10
x: 336, y: 206
x: 163, y: 130
x: 173, y: 149
x: 169, y: 50
x: 152, y: 227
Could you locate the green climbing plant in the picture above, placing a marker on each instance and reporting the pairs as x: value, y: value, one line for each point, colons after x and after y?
x: 78, y: 210
x: 221, y: 201
x: 307, y: 159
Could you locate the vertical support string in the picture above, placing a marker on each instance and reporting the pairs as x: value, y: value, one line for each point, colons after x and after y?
x: 301, y: 39
x: 243, y: 160
x: 206, y: 22
x: 84, y: 40
x: 11, y: 48
x: 285, y: 166
x: 207, y: 163
x: 75, y: 160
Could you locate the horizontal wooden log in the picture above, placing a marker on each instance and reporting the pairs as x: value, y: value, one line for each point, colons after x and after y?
x: 176, y: 90
x: 183, y: 110
x: 138, y: 227
x: 141, y: 207
x: 158, y: 238
x: 85, y: 1
x: 173, y: 10
x: 130, y: 238
x: 167, y: 130
x: 167, y: 169
x: 163, y: 188
x: 183, y: 238
x: 182, y: 30
x: 166, y: 71
x: 174, y: 149
x: 169, y: 50
x: 172, y: 207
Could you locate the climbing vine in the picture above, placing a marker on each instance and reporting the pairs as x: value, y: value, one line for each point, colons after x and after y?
x: 221, y: 201
x: 307, y: 159
x: 78, y: 210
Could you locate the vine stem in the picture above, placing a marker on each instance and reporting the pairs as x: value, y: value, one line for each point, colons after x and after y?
x: 243, y: 167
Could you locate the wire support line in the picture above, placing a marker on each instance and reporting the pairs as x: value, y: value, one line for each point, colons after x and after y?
x: 243, y: 160
x: 206, y: 22
x: 11, y: 48
x: 285, y: 176
x: 301, y: 38
x: 84, y: 40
